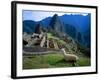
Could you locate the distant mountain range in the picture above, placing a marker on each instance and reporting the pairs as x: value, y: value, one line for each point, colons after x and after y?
x: 76, y: 26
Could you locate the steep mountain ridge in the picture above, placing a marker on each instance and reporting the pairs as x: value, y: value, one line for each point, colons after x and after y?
x: 76, y: 26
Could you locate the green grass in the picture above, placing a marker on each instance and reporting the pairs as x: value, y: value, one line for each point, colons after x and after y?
x: 84, y: 61
x: 51, y: 36
x: 56, y: 38
x: 51, y: 61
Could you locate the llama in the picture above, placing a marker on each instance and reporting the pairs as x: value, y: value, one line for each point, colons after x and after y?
x: 69, y: 57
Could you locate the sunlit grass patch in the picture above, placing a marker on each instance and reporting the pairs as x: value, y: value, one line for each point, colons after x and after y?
x: 52, y: 61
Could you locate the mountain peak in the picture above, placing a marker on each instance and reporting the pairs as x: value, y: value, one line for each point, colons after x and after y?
x: 55, y: 19
x: 55, y: 16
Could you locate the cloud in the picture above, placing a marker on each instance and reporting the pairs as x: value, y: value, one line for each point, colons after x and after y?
x: 39, y: 15
x: 83, y: 14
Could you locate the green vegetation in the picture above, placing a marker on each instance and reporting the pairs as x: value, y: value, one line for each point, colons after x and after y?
x: 84, y: 50
x: 84, y: 61
x: 51, y: 36
x: 51, y: 61
x: 55, y: 60
x: 55, y: 38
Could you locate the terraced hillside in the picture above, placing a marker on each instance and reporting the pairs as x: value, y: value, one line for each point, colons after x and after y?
x: 44, y: 51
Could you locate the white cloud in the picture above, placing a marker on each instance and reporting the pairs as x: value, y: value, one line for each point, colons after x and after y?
x: 83, y: 14
x: 39, y: 15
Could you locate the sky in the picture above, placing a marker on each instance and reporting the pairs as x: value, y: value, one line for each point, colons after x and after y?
x: 39, y: 15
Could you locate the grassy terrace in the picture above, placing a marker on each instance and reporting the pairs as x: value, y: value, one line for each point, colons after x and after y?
x: 51, y: 61
x: 56, y: 38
